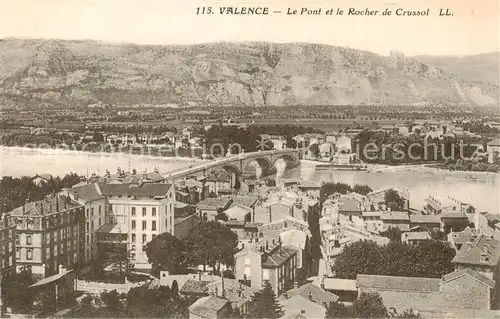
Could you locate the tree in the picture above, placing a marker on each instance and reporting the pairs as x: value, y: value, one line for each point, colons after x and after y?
x: 16, y: 291
x: 393, y: 200
x: 362, y: 189
x: 112, y: 301
x: 221, y: 216
x: 393, y: 233
x: 167, y: 252
x: 119, y: 256
x: 369, y: 305
x: 407, y: 313
x: 337, y: 309
x: 213, y: 244
x: 264, y: 304
x: 314, y: 150
x: 361, y: 257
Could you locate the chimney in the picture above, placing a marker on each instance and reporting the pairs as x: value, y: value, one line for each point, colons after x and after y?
x: 286, y: 295
x: 295, y: 285
x: 270, y: 218
x: 310, y: 296
x: 199, y: 276
x: 484, y: 257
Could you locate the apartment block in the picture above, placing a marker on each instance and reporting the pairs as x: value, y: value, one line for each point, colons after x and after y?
x: 136, y: 214
x: 49, y: 233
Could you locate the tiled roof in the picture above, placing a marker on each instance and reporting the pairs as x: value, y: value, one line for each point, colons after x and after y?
x: 294, y: 238
x: 145, y: 190
x: 425, y: 219
x: 203, y: 305
x: 314, y: 292
x: 46, y: 206
x: 415, y: 284
x: 469, y: 272
x: 88, y: 192
x: 237, y: 212
x: 304, y: 306
x: 279, y: 257
x: 454, y: 215
x: 417, y: 235
x: 194, y: 286
x: 481, y: 251
x: 248, y: 201
x: 349, y: 205
x: 495, y: 142
x: 395, y: 216
x: 234, y: 291
x: 218, y: 203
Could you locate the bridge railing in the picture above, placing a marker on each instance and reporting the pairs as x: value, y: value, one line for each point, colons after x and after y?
x: 223, y: 160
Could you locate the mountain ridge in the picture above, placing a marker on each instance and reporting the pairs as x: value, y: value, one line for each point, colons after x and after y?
x: 70, y: 73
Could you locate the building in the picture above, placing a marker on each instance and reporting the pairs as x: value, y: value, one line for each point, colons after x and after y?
x: 312, y: 293
x: 237, y: 293
x: 184, y: 226
x: 377, y: 197
x: 436, y: 205
x: 7, y: 246
x: 481, y: 254
x: 210, y: 207
x: 399, y: 220
x: 267, y: 260
x: 136, y: 214
x: 39, y: 179
x: 210, y: 307
x: 493, y: 149
x: 219, y: 182
x: 49, y: 233
x: 415, y: 237
x: 425, y: 221
x: 95, y: 206
x: 279, y: 142
x: 298, y: 307
x: 463, y: 289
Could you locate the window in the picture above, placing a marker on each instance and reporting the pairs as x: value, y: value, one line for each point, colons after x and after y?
x: 133, y: 211
x: 166, y: 222
x: 29, y: 254
x: 133, y: 224
x: 144, y: 211
x: 265, y: 274
x: 153, y: 225
x: 171, y: 208
x: 144, y: 225
x: 144, y: 239
x: 153, y: 211
x: 87, y: 213
x: 18, y: 240
x: 18, y: 253
x: 143, y: 247
x: 133, y: 247
x: 133, y: 238
x: 92, y: 212
x: 154, y: 236
x: 99, y: 210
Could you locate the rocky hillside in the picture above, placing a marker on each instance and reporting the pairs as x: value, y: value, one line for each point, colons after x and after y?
x: 54, y: 73
x: 478, y: 68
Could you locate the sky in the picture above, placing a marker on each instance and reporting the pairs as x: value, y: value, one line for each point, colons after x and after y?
x: 473, y: 28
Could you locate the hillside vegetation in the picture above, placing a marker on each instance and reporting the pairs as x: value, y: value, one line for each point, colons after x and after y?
x: 57, y: 73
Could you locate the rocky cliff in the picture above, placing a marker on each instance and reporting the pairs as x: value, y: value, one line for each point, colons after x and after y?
x: 56, y: 73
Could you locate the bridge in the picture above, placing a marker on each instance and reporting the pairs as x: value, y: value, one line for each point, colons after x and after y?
x: 238, y: 164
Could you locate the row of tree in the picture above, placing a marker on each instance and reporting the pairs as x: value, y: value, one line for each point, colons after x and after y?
x: 14, y: 192
x: 428, y: 258
x: 367, y: 305
x: 212, y: 244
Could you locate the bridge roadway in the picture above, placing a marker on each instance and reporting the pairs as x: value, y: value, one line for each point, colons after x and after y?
x: 238, y: 161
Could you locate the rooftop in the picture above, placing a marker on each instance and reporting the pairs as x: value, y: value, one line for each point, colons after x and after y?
x: 469, y: 272
x: 49, y: 205
x: 279, y: 256
x: 217, y: 203
x: 205, y: 304
x: 395, y: 283
x: 237, y: 212
x: 88, y: 192
x: 395, y: 216
x: 425, y: 219
x: 113, y: 229
x: 349, y: 205
x: 479, y: 251
x: 313, y: 293
x: 248, y: 201
x: 144, y: 190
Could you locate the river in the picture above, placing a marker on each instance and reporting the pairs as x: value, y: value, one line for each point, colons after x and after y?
x: 481, y: 189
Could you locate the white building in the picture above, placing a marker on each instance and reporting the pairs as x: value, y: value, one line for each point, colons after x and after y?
x: 137, y: 213
x: 95, y: 215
